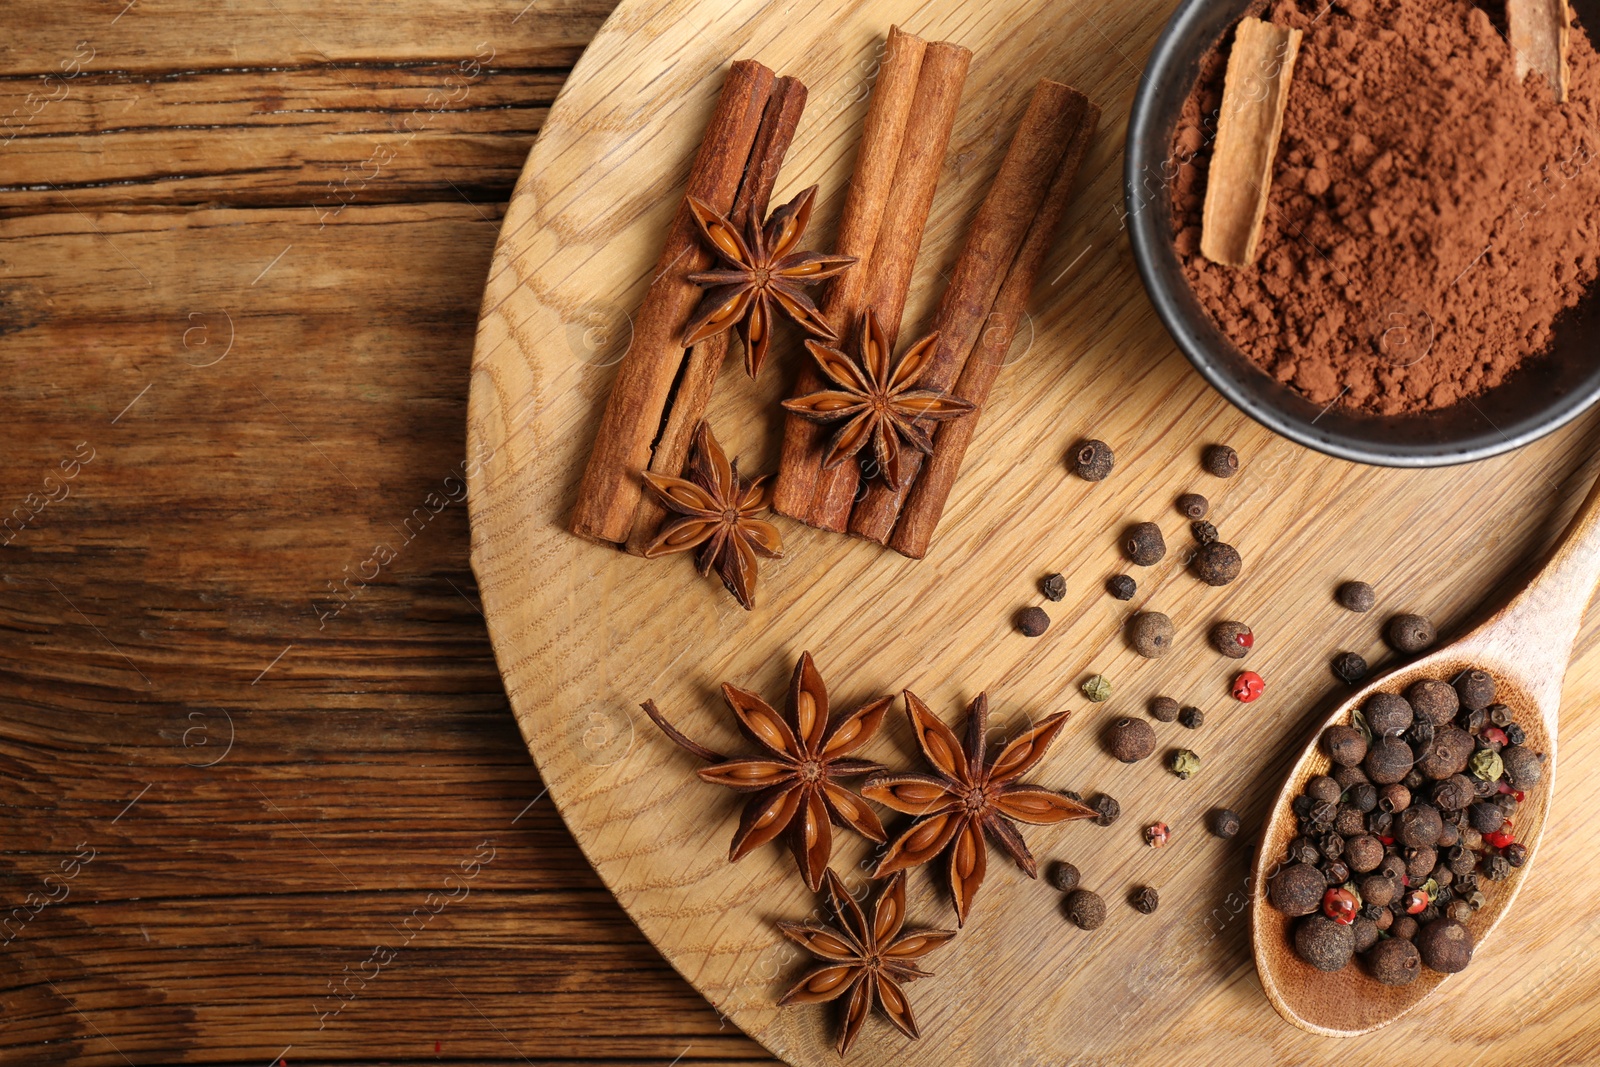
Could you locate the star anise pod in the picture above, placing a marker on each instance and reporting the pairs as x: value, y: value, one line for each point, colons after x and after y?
x: 879, y: 404
x: 764, y: 277
x: 867, y: 961
x: 717, y: 514
x: 796, y: 782
x: 967, y: 798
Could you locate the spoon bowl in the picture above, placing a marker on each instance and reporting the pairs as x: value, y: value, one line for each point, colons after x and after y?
x: 1525, y: 646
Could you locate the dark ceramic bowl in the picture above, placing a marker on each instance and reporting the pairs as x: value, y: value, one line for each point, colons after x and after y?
x: 1545, y: 394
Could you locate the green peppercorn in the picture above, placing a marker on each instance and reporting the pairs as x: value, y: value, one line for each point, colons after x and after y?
x: 1410, y: 633
x: 1192, y: 717
x: 1097, y: 689
x: 1032, y: 621
x: 1122, y: 587
x: 1487, y: 764
x: 1150, y: 634
x: 1144, y: 544
x: 1221, y: 461
x: 1184, y: 763
x: 1164, y: 709
x: 1054, y: 587
x: 1217, y: 563
x: 1357, y: 596
x: 1194, y: 506
x: 1092, y: 460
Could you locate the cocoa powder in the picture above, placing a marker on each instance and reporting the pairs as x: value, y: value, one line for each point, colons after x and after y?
x: 1429, y: 219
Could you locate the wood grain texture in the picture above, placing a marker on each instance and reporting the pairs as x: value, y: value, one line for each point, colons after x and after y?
x: 583, y: 634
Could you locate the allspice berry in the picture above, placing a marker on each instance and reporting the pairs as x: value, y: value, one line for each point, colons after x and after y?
x: 1150, y: 633
x: 1379, y: 889
x: 1217, y: 563
x: 1232, y: 639
x: 1145, y: 900
x: 1476, y: 689
x: 1404, y: 928
x: 1224, y: 822
x: 1131, y: 740
x: 1445, y: 946
x: 1193, y: 506
x: 1388, y: 760
x: 1323, y: 943
x: 1357, y: 596
x: 1092, y: 460
x: 1410, y: 634
x: 1122, y: 587
x: 1054, y: 587
x: 1363, y: 853
x: 1221, y: 461
x: 1448, y: 754
x: 1366, y: 934
x: 1388, y: 714
x: 1322, y: 788
x: 1419, y: 824
x: 1344, y: 745
x: 1394, y: 962
x: 1163, y: 709
x: 1063, y: 876
x: 1297, y: 889
x: 1394, y: 798
x: 1144, y: 544
x: 1350, y: 667
x: 1086, y: 909
x: 1032, y: 621
x: 1434, y: 700
x: 1523, y: 768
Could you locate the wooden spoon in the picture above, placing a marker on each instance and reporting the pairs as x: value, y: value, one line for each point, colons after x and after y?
x: 1525, y: 646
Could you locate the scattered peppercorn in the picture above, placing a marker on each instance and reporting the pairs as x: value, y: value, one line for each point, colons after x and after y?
x: 1131, y: 740
x: 1108, y: 809
x: 1145, y: 900
x: 1350, y: 668
x: 1092, y: 460
x: 1032, y: 621
x: 1221, y: 461
x: 1217, y: 563
x: 1232, y: 639
x: 1224, y: 823
x: 1194, y: 506
x: 1054, y: 587
x: 1248, y: 686
x: 1203, y: 532
x: 1122, y: 587
x: 1097, y: 689
x: 1410, y: 633
x: 1184, y: 763
x: 1192, y: 717
x: 1325, y: 944
x: 1150, y: 634
x: 1143, y: 544
x: 1357, y: 596
x: 1157, y: 834
x: 1394, y: 962
x: 1445, y: 946
x: 1063, y: 876
x: 1163, y: 709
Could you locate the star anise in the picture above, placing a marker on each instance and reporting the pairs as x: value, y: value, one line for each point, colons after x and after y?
x: 879, y: 405
x: 765, y: 277
x: 795, y: 783
x: 967, y: 797
x: 717, y: 512
x: 868, y: 961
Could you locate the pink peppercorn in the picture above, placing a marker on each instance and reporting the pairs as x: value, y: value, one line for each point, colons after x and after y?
x: 1248, y: 686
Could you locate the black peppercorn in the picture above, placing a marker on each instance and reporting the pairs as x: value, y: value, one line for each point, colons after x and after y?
x: 1363, y: 796
x: 1297, y: 889
x: 1108, y: 810
x: 1301, y: 805
x: 1357, y: 596
x: 1472, y: 719
x: 1145, y: 900
x: 1323, y: 943
x: 1143, y: 544
x: 1303, y: 850
x: 1063, y: 876
x: 1150, y: 634
x: 1421, y: 734
x: 1370, y: 911
x: 1224, y: 823
x: 1445, y: 946
x: 1487, y: 741
x: 1428, y: 915
x: 1515, y: 734
x: 1054, y: 587
x: 1410, y: 633
x: 1454, y: 793
x: 1032, y: 621
x: 1131, y: 740
x: 1380, y: 822
x: 1499, y: 714
x: 1192, y: 717
x: 1516, y: 854
x: 1485, y: 787
x: 1523, y: 768
x: 1350, y: 668
x: 1388, y: 760
x: 1476, y: 689
x: 1413, y: 780
x: 1393, y: 961
x: 1163, y: 709
x: 1449, y: 833
x: 1085, y: 909
x: 1486, y: 818
x: 1217, y: 563
x: 1320, y: 818
x: 1232, y: 639
x: 1434, y: 700
x: 1092, y: 460
x: 1495, y: 868
x: 1122, y: 587
x: 1221, y: 461
x: 1204, y: 532
x: 1345, y: 745
x: 1332, y: 845
x: 1461, y: 861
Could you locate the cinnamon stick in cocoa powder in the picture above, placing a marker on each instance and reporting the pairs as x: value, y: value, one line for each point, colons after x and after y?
x: 698, y: 380
x: 925, y: 504
x: 866, y: 200
x: 1254, y: 92
x: 1539, y: 34
x: 894, y: 255
x: 1047, y: 130
x: 608, y: 496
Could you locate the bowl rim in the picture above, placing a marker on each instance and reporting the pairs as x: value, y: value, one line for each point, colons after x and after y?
x: 1150, y: 237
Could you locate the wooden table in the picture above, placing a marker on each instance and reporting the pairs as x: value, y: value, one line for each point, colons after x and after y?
x: 264, y: 799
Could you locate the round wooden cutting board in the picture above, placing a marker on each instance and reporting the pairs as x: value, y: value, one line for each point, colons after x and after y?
x: 584, y: 633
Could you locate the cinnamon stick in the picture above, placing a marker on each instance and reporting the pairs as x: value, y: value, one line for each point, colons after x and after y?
x: 925, y: 505
x: 894, y: 255
x: 692, y: 394
x: 1254, y: 92
x: 865, y: 203
x: 1539, y: 34
x: 609, y: 494
x: 1048, y: 126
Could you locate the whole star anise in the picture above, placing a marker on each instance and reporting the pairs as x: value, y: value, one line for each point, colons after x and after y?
x: 967, y: 798
x: 717, y: 514
x: 867, y: 961
x: 879, y: 405
x: 795, y: 783
x: 765, y: 277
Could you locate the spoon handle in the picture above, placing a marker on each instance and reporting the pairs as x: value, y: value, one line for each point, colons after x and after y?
x: 1540, y: 625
